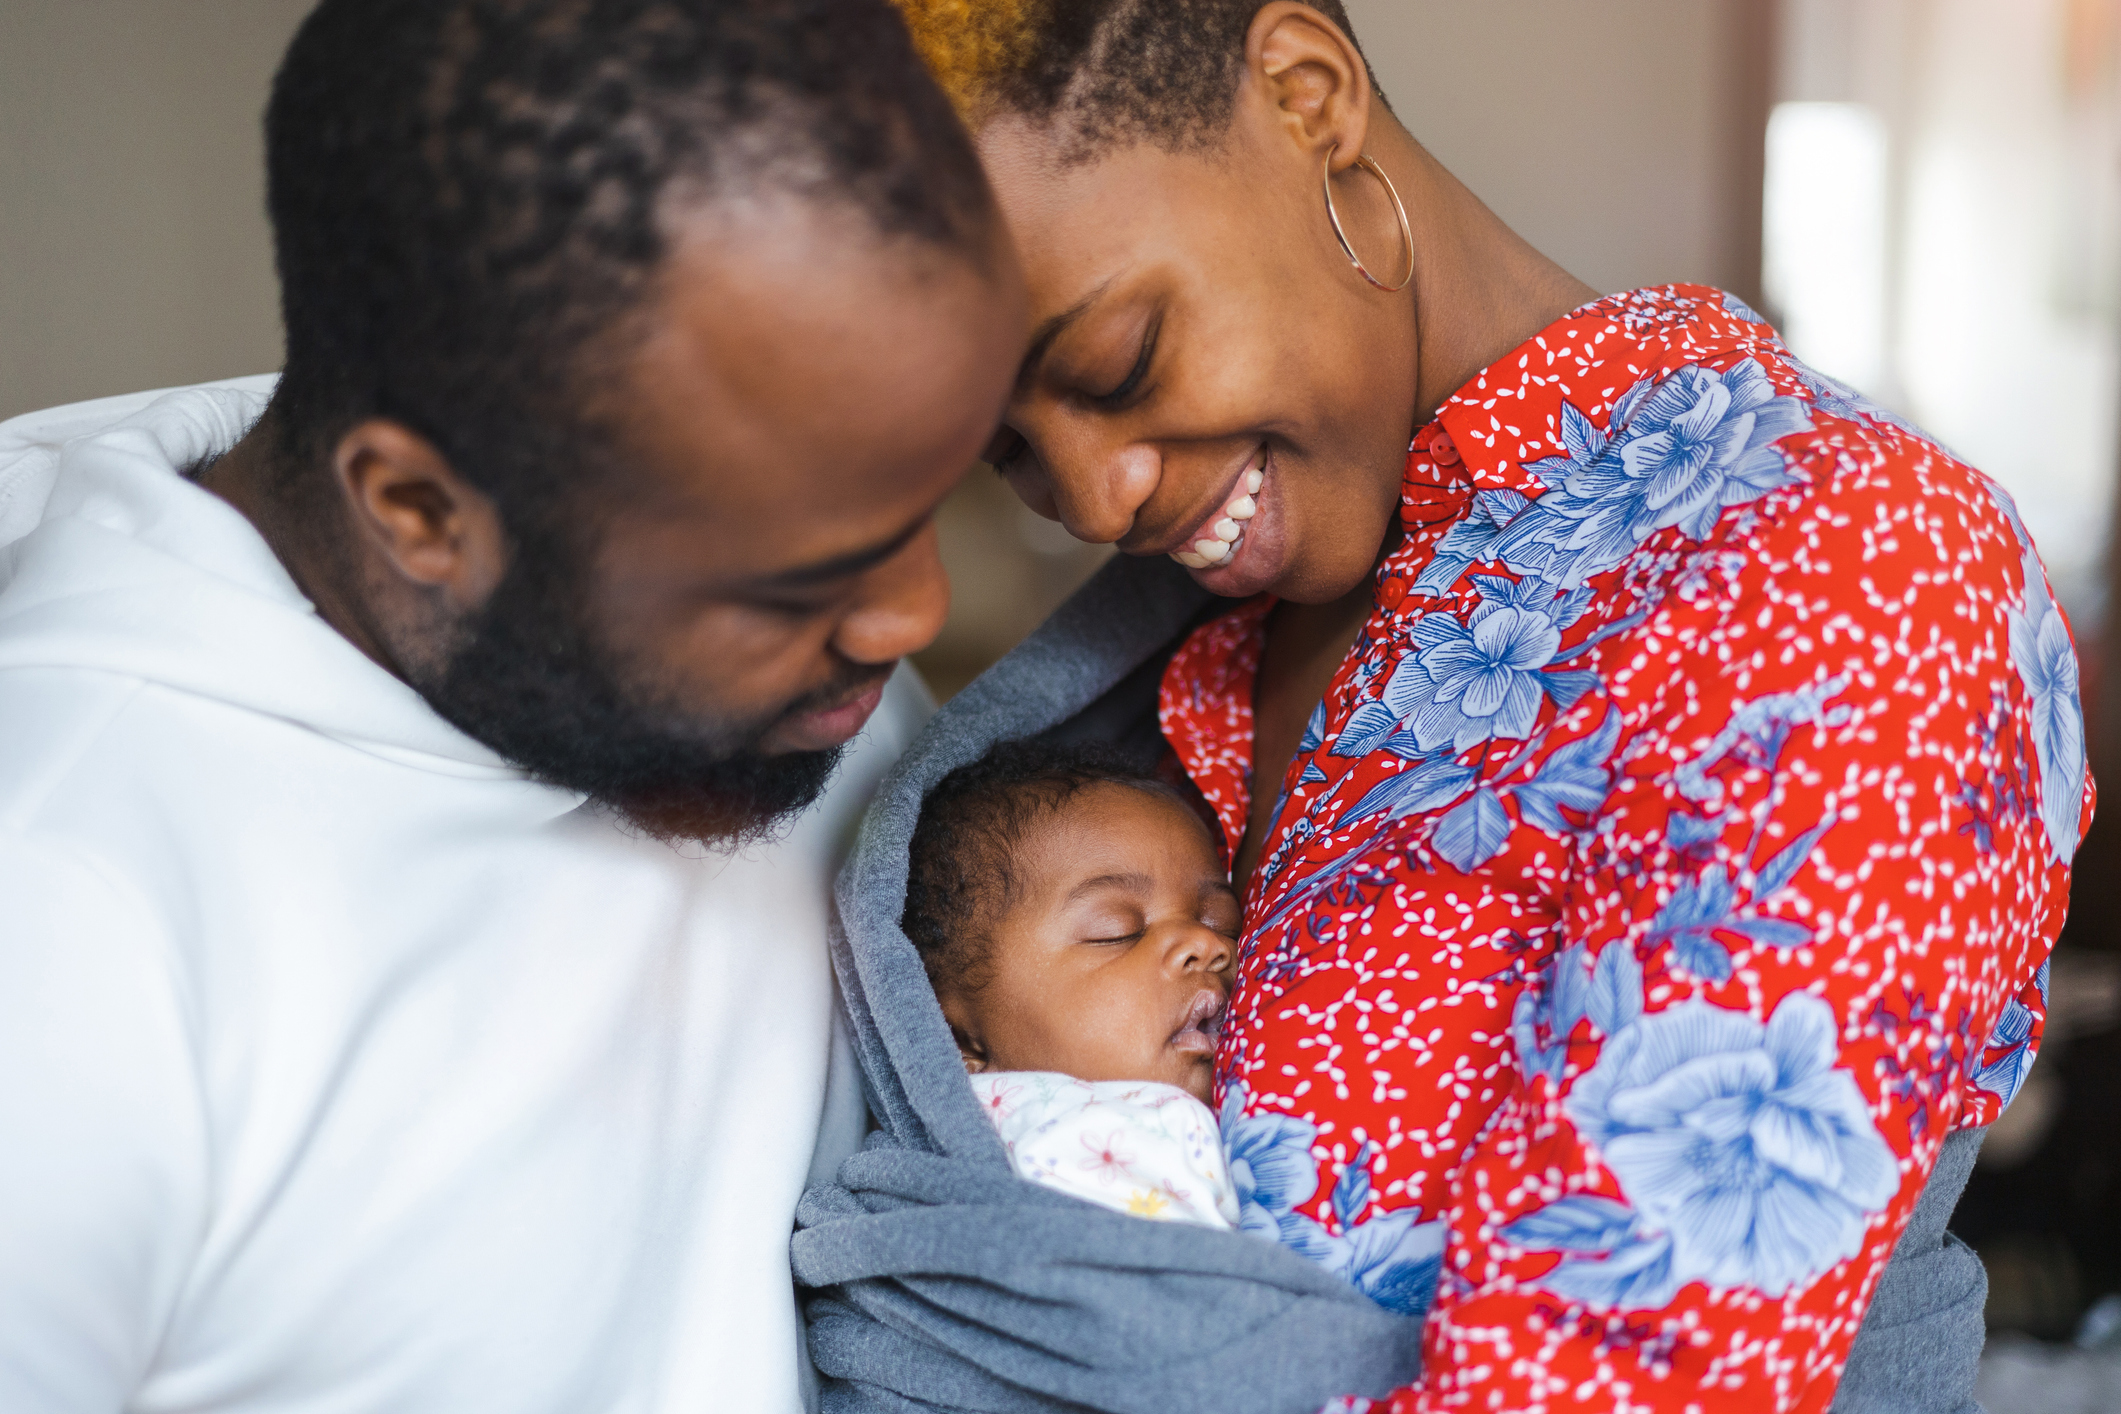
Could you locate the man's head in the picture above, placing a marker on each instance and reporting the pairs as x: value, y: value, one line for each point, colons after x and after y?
x: 631, y: 344
x: 1074, y: 915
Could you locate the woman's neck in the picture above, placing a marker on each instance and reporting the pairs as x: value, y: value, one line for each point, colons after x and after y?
x: 1479, y: 288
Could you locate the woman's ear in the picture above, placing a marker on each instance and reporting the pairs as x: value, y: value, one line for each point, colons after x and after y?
x: 1312, y: 78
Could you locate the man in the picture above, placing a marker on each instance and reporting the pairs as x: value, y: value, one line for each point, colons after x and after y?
x: 412, y: 983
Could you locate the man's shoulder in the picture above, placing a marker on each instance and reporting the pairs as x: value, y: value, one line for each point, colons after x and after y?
x: 30, y: 443
x: 55, y: 718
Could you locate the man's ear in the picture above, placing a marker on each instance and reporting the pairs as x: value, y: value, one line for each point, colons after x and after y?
x: 1313, y: 77
x: 432, y: 526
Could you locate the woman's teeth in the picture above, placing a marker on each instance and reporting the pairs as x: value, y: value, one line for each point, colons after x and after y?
x: 1228, y: 531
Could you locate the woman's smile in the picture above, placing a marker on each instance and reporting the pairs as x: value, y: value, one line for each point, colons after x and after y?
x: 1237, y: 548
x: 1215, y: 539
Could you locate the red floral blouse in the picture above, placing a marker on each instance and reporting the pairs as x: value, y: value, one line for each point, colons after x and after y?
x: 1672, y: 863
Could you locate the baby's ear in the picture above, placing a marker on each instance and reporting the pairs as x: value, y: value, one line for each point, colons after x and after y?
x: 969, y: 1051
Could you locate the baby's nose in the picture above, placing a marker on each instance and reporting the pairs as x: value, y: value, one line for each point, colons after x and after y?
x: 1202, y: 949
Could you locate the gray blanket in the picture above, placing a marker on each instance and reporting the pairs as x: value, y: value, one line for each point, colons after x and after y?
x: 939, y: 1281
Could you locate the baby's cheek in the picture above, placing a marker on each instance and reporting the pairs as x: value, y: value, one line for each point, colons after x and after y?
x: 1124, y: 1035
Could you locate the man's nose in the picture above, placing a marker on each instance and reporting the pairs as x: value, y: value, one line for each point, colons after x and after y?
x: 902, y: 607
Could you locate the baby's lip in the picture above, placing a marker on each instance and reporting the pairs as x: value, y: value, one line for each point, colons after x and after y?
x: 1203, y: 1023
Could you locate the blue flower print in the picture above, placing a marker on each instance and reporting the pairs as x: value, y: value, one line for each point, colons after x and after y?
x: 1477, y: 680
x: 1271, y: 1168
x: 1741, y: 1146
x: 1471, y: 541
x: 1756, y: 733
x: 1686, y: 449
x: 2005, y: 1076
x: 1569, y: 989
x: 2047, y: 665
x: 1474, y: 681
x: 1736, y: 306
x: 1393, y: 1258
x: 2047, y: 662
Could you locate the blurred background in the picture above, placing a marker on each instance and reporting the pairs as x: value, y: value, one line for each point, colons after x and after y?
x: 1925, y: 195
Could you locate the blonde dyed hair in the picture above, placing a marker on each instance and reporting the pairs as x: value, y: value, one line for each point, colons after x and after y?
x: 1104, y: 71
x: 970, y: 44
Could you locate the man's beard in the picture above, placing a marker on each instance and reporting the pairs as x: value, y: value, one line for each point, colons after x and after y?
x: 530, y: 679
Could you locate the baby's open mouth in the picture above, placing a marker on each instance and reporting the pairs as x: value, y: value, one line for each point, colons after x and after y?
x: 1203, y: 1024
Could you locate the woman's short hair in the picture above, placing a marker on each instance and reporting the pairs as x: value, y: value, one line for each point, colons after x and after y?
x: 1107, y: 72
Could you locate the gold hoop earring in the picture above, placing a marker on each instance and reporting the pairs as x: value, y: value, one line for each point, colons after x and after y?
x: 1406, y: 231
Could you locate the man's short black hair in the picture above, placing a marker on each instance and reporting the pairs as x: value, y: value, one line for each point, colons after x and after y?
x: 962, y: 866
x: 470, y: 197
x: 1107, y: 72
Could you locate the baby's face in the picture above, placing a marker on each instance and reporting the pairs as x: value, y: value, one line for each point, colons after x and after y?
x: 1114, y: 961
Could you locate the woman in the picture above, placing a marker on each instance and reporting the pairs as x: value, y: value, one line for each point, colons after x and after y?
x: 1666, y: 771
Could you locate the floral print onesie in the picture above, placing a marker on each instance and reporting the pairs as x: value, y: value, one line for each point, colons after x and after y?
x: 1672, y: 863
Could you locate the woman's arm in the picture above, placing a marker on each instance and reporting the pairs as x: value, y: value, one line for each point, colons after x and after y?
x: 1803, y: 944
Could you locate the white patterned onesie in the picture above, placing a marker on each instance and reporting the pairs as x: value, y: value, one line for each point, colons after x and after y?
x: 1133, y: 1145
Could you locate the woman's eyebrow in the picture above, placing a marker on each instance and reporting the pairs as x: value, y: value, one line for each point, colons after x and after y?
x: 1042, y: 339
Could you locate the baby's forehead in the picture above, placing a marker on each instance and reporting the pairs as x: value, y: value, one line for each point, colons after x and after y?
x: 1144, y: 807
x: 1144, y: 826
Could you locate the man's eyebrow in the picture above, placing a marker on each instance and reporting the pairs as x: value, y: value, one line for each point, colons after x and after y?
x: 1042, y: 339
x: 1108, y: 881
x: 840, y: 566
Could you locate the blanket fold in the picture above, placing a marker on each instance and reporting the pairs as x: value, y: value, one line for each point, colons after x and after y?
x: 945, y: 1281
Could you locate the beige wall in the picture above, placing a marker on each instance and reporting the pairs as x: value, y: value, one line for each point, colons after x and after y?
x: 1617, y: 135
x: 1621, y: 137
x: 133, y: 248
x: 133, y: 243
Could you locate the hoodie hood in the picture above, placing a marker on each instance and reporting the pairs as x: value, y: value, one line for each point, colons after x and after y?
x: 113, y: 561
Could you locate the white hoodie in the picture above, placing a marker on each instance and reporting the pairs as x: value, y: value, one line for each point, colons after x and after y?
x: 341, y: 1067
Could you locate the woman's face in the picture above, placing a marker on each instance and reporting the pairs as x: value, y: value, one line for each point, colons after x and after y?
x: 1197, y: 331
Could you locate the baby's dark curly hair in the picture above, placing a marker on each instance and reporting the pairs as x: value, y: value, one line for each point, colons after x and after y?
x: 962, y: 871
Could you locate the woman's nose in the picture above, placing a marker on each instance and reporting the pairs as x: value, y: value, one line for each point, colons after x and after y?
x: 902, y: 607
x: 1096, y: 486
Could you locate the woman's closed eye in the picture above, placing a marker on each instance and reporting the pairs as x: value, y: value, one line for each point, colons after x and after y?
x: 1120, y: 396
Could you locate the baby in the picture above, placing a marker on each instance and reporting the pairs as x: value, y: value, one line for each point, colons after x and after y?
x: 1080, y: 929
